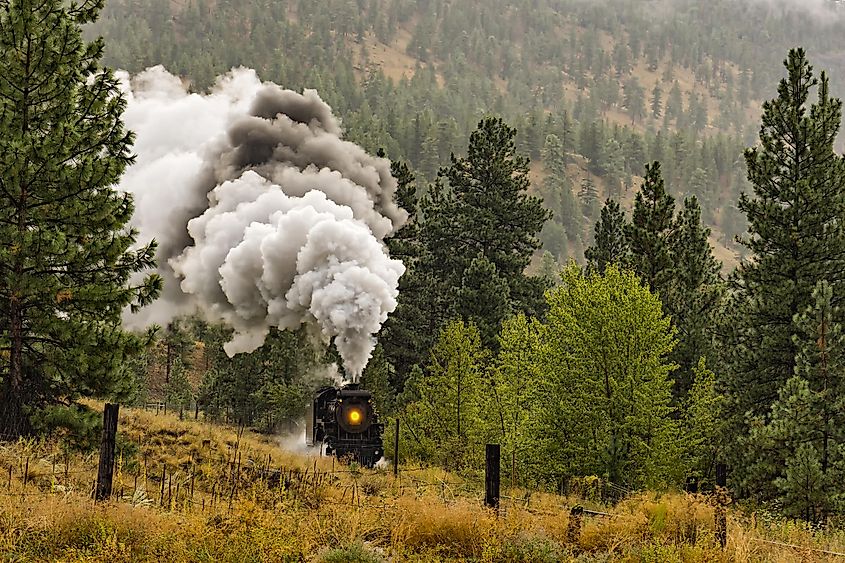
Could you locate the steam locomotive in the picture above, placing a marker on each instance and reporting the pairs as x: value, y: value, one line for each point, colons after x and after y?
x: 345, y: 420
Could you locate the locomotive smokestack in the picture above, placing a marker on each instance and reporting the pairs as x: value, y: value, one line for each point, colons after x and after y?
x: 265, y: 216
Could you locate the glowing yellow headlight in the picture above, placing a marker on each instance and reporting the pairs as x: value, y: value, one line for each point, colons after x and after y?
x: 354, y: 416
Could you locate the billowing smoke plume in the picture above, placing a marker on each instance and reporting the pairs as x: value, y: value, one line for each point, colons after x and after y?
x: 264, y: 215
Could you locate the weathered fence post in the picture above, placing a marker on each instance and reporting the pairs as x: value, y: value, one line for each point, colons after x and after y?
x: 491, y: 476
x: 722, y: 501
x: 396, y: 450
x: 573, y: 529
x: 105, y: 471
x: 691, y: 485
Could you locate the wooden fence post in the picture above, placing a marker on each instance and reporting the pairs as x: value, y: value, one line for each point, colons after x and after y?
x: 491, y: 476
x: 105, y: 471
x: 573, y: 529
x: 722, y: 501
x: 396, y: 450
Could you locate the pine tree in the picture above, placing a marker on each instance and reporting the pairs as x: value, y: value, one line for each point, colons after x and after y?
x: 490, y: 185
x: 589, y: 196
x: 484, y: 297
x: 66, y: 252
x: 557, y: 187
x: 675, y: 103
x: 480, y: 207
x: 650, y: 232
x: 634, y: 99
x: 656, y: 101
x: 796, y: 237
x: 610, y: 246
x: 799, y: 450
x: 693, y: 294
x: 405, y: 344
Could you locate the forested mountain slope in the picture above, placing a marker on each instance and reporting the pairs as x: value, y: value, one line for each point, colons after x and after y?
x: 596, y: 89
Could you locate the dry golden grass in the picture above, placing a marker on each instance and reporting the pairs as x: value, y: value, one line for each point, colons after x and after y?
x: 314, y: 514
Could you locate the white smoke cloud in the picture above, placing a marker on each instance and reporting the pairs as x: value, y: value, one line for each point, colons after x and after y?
x: 264, y: 215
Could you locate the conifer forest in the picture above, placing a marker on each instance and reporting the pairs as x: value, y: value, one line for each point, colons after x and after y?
x: 606, y: 237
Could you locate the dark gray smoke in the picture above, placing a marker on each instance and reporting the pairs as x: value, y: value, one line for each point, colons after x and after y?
x: 264, y: 214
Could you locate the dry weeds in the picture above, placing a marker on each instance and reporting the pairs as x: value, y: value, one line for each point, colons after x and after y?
x: 310, y: 513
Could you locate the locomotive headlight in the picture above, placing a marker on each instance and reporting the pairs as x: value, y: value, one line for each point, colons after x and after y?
x: 355, y: 416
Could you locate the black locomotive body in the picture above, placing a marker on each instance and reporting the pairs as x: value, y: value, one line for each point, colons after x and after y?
x: 346, y: 421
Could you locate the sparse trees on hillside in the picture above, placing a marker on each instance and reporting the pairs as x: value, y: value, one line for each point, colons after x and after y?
x: 565, y: 225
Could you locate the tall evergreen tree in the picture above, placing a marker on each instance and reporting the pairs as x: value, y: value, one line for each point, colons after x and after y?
x: 650, y: 232
x: 66, y: 251
x: 485, y: 297
x: 589, y: 196
x: 557, y: 188
x: 693, y: 294
x: 795, y: 237
x: 479, y: 207
x: 610, y: 245
x: 411, y: 330
x: 497, y: 216
x: 796, y: 457
x: 656, y: 101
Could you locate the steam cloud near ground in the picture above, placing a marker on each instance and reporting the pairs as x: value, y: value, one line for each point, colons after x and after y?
x: 264, y: 215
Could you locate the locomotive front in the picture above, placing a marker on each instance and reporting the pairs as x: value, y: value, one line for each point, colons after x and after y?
x: 346, y: 421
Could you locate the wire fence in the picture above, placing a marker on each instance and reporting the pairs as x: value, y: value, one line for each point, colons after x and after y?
x: 216, y: 486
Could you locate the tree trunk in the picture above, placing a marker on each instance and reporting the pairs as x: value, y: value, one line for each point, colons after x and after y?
x: 13, y: 423
x: 13, y: 401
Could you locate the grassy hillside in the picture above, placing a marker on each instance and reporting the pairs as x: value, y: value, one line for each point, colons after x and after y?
x: 313, y: 509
